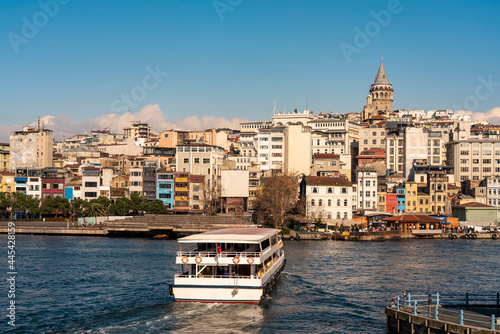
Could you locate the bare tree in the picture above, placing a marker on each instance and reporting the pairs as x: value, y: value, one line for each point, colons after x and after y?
x: 278, y: 196
x: 211, y: 193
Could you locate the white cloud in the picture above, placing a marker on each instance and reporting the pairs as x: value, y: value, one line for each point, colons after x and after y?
x: 65, y: 126
x: 492, y: 115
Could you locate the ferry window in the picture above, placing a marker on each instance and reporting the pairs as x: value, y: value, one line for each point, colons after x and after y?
x: 274, y: 240
x: 265, y: 244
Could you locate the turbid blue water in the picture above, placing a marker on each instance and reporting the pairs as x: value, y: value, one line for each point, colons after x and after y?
x: 104, y: 285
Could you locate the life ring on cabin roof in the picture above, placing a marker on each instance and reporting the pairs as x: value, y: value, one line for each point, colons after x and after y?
x: 185, y: 259
x: 250, y: 260
x: 198, y: 259
x: 236, y: 260
x: 493, y: 236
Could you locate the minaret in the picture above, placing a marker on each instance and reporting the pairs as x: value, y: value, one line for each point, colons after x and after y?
x: 381, y: 91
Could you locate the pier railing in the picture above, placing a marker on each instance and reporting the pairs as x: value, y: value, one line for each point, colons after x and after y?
x: 431, y: 306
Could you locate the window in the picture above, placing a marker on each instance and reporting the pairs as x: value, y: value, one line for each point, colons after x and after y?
x: 165, y: 196
x: 345, y: 202
x: 91, y: 194
x: 329, y: 202
x: 320, y: 202
x: 338, y: 202
x: 367, y: 183
x: 207, y: 160
x: 136, y: 173
x: 89, y: 184
x: 186, y: 160
x: 314, y: 190
x: 312, y: 202
x: 344, y: 190
x: 196, y: 160
x: 486, y: 161
x: 164, y: 186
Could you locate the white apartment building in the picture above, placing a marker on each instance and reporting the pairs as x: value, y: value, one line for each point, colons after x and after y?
x: 91, y: 183
x: 328, y: 197
x: 371, y: 137
x: 199, y: 159
x: 493, y: 190
x: 474, y: 159
x: 367, y: 189
x: 270, y: 148
x: 297, y: 155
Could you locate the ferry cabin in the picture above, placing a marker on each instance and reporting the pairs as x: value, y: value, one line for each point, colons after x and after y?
x: 230, y: 265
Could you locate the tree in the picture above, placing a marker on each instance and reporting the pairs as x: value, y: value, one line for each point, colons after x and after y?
x: 25, y: 204
x: 55, y: 205
x: 5, y: 203
x: 277, y: 198
x: 211, y: 195
x: 120, y: 207
x: 94, y: 209
x: 77, y: 207
x: 138, y: 203
x: 157, y: 206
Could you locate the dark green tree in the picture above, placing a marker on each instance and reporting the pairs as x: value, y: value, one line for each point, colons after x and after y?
x: 157, y: 206
x: 138, y: 204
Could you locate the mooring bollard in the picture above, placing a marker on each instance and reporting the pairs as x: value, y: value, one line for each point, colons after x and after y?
x: 436, y: 313
x: 461, y: 317
x: 409, y: 299
x: 492, y: 322
x: 437, y: 298
x: 398, y: 303
x: 415, y: 308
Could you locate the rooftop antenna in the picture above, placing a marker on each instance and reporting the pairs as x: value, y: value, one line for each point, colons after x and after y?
x: 307, y: 103
x: 274, y: 110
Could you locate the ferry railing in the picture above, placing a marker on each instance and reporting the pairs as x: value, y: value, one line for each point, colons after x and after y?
x: 218, y: 276
x: 430, y: 306
x: 214, y: 254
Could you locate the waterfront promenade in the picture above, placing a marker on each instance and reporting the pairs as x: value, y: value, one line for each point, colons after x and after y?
x: 434, y: 314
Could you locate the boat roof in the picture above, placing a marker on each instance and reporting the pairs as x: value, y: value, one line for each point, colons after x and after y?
x: 237, y: 235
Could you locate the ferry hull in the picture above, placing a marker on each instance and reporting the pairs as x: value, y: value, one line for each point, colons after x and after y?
x: 246, y: 291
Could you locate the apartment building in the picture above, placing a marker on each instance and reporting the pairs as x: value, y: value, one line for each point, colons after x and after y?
x: 165, y: 188
x: 326, y: 164
x: 31, y: 147
x: 138, y: 130
x: 4, y: 157
x: 297, y: 155
x: 181, y: 191
x: 199, y: 159
x: 474, y: 159
x: 367, y: 188
x: 328, y: 197
x: 196, y: 185
x: 493, y: 190
x: 7, y: 183
x: 372, y: 137
x: 270, y: 148
x: 91, y: 183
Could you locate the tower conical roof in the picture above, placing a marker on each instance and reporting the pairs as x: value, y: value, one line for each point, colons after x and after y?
x: 381, y: 78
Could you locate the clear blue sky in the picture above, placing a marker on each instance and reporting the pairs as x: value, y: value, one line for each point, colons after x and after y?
x: 90, y: 52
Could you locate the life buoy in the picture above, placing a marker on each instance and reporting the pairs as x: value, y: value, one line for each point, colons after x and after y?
x: 454, y: 236
x: 185, y: 259
x: 198, y: 259
x: 450, y: 236
x: 236, y: 260
x: 493, y: 236
x: 474, y: 236
x: 250, y: 260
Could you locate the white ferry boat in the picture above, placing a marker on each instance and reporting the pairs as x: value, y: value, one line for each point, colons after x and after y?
x: 238, y: 265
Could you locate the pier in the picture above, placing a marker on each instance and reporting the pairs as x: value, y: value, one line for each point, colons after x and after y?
x: 435, y: 313
x: 166, y: 226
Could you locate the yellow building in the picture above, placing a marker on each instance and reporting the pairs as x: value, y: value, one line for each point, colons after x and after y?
x: 422, y: 203
x: 7, y: 181
x: 411, y: 196
x: 31, y: 147
x: 4, y: 156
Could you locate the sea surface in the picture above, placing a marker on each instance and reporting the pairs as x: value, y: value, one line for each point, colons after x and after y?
x: 106, y: 285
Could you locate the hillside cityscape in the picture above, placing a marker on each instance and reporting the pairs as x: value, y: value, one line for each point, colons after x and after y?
x: 342, y: 167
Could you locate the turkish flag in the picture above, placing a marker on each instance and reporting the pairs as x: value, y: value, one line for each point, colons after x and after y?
x: 218, y: 249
